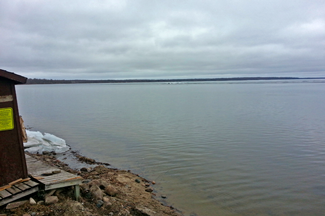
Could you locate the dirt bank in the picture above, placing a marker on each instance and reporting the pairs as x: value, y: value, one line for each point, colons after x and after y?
x: 105, y: 191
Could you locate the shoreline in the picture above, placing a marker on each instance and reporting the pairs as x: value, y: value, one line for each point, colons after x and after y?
x: 104, y: 191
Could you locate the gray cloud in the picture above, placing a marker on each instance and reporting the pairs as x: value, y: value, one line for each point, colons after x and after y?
x: 142, y: 39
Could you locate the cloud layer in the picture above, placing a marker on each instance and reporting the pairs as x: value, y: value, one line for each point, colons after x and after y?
x: 110, y: 39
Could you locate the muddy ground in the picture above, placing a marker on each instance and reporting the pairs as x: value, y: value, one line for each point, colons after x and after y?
x: 104, y: 191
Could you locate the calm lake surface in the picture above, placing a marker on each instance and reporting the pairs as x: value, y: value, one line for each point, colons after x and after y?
x: 218, y: 148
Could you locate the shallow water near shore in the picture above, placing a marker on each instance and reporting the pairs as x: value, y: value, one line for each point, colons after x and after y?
x: 219, y: 148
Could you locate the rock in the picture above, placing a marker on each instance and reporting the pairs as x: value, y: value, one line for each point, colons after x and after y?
x: 40, y: 202
x: 50, y: 193
x: 86, y: 181
x: 149, y: 190
x: 76, y: 206
x: 137, y: 181
x: 99, y: 203
x: 103, y: 184
x: 51, y: 200
x: 89, y: 160
x: 107, y: 201
x: 56, y: 171
x: 84, y: 169
x: 32, y: 201
x: 101, y: 169
x: 163, y: 196
x: 85, y: 187
x: 94, y: 182
x: 88, y: 195
x: 110, y: 190
x: 153, y: 182
x: 15, y: 204
x: 58, y: 191
x: 85, y: 159
x: 47, y: 174
x: 110, y: 174
x: 96, y: 192
x: 144, y: 211
x: 94, y: 173
x: 147, y: 185
x: 26, y: 215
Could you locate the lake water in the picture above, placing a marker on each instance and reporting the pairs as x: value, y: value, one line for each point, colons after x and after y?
x: 219, y: 148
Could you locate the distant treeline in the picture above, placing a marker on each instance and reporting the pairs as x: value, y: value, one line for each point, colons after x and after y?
x: 53, y: 81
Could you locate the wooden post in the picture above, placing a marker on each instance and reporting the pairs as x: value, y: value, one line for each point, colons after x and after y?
x: 77, y: 191
x: 23, y: 129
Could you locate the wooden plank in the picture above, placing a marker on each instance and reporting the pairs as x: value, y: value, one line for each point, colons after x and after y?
x: 36, y: 177
x: 59, y: 178
x: 4, y: 187
x: 16, y: 188
x: 26, y: 179
x: 31, y: 183
x: 62, y: 184
x: 73, y: 178
x: 13, y: 190
x: 22, y: 186
x: 14, y: 182
x: 5, y: 194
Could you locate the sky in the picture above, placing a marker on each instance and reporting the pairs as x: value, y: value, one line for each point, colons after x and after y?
x: 135, y: 39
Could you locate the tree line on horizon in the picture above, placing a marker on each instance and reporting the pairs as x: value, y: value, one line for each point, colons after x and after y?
x: 75, y: 81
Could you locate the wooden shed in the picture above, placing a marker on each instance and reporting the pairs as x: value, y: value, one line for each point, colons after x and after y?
x: 12, y: 157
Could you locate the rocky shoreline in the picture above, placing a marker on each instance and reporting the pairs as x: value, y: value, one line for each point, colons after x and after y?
x: 104, y: 191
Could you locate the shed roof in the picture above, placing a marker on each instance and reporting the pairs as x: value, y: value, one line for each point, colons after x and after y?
x: 17, y: 79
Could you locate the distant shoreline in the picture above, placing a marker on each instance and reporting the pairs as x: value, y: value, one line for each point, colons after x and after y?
x: 76, y: 81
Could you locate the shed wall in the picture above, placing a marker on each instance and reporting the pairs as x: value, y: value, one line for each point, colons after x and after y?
x: 12, y: 157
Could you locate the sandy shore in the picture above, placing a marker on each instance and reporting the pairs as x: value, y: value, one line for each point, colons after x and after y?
x: 104, y: 191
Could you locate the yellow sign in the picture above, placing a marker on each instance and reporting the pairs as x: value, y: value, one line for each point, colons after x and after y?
x: 6, y: 119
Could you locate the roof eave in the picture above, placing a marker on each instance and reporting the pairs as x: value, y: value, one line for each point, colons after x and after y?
x: 17, y: 79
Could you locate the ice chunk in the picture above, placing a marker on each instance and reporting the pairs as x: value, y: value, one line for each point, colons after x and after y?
x: 54, y: 140
x: 37, y: 142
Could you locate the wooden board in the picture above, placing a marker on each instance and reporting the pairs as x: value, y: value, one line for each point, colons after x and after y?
x: 4, y: 194
x: 13, y: 190
x: 22, y: 186
x: 31, y: 183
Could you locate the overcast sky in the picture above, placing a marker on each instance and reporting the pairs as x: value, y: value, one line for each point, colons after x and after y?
x: 118, y: 39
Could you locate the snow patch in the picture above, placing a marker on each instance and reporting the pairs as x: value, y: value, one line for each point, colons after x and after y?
x: 37, y: 142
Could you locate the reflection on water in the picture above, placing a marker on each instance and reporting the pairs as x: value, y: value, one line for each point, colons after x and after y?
x: 214, y: 149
